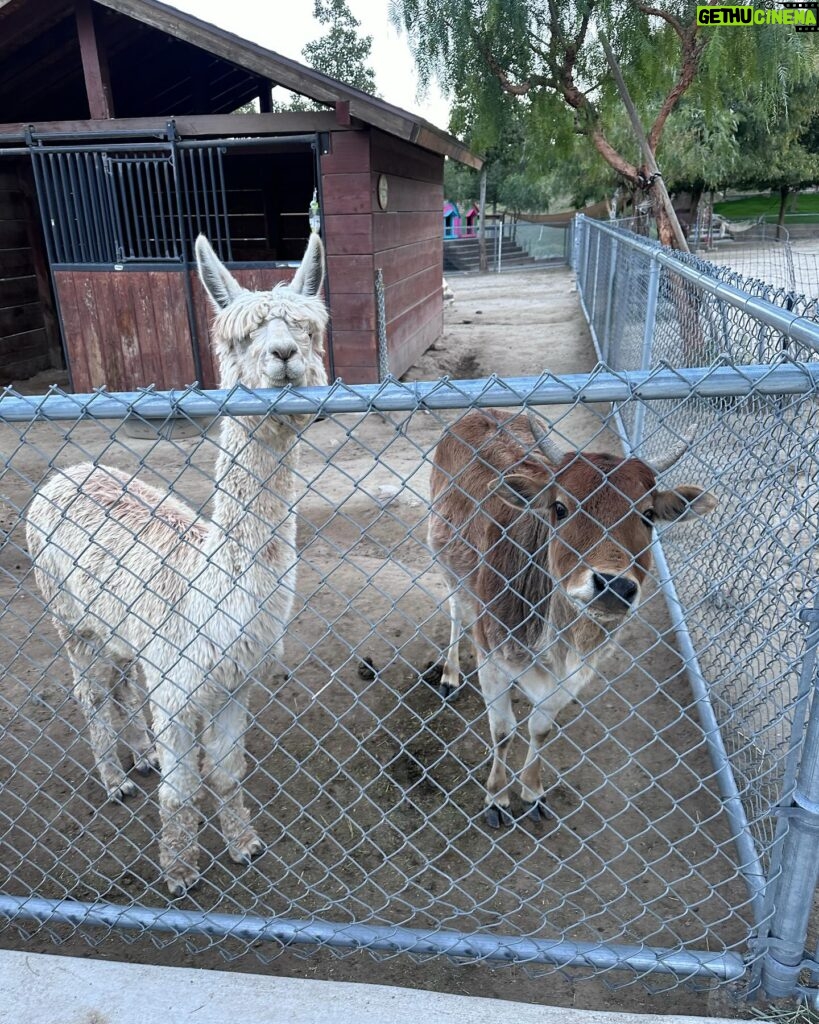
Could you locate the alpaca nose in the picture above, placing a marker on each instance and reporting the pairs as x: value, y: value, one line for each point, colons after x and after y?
x: 284, y: 350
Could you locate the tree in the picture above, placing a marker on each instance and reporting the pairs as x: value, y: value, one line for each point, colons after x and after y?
x: 342, y: 52
x: 547, y: 55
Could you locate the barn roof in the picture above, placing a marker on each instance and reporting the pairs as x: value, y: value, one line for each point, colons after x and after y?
x: 164, y: 62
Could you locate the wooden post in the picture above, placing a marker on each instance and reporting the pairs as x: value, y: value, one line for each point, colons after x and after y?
x: 265, y: 98
x: 94, y: 63
x: 482, y: 222
x: 648, y: 156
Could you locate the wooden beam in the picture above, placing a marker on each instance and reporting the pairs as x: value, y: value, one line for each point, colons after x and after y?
x: 293, y: 76
x: 265, y: 97
x: 296, y: 122
x: 94, y: 63
x: 342, y: 113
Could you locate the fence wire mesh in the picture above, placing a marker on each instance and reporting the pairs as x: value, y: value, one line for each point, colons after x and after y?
x: 746, y: 627
x: 367, y: 789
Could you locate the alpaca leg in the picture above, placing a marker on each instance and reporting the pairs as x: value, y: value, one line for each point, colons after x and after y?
x: 496, y: 689
x: 94, y: 681
x: 178, y: 752
x: 224, y: 743
x: 131, y: 702
x: 451, y: 675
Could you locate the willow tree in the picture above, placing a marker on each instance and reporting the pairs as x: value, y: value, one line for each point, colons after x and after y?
x: 547, y: 55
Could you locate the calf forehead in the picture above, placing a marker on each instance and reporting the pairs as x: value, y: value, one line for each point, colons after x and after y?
x: 605, y: 486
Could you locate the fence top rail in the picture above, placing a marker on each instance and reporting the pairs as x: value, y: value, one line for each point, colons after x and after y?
x: 799, y: 328
x: 601, y: 385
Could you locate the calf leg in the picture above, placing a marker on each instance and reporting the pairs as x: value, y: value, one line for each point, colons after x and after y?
x: 224, y: 742
x: 531, y: 778
x: 496, y: 688
x: 451, y: 674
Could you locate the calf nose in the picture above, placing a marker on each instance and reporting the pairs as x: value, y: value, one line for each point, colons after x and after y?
x: 620, y: 587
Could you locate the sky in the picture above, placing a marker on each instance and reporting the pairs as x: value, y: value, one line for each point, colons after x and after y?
x: 286, y: 26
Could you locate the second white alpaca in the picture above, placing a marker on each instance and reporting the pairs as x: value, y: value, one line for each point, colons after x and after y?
x: 132, y: 576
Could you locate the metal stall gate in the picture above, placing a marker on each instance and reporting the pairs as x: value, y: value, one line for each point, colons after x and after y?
x: 366, y: 787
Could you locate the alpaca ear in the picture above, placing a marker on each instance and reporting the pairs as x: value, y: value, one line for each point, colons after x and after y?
x: 310, y: 275
x: 221, y: 286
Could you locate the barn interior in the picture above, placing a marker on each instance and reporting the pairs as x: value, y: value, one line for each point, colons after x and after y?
x: 126, y: 129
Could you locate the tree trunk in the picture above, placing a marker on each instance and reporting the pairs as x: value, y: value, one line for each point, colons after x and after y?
x: 783, y: 202
x: 696, y: 196
x: 665, y: 229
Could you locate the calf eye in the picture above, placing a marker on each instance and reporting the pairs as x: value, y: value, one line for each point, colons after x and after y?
x: 648, y: 515
x: 560, y: 510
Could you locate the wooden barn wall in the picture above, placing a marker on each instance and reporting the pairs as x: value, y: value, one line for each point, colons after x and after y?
x: 347, y: 195
x: 28, y: 330
x: 125, y: 329
x: 405, y: 241
x: 408, y: 245
x: 128, y: 329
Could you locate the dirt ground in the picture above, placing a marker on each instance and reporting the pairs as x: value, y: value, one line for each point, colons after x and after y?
x: 365, y: 787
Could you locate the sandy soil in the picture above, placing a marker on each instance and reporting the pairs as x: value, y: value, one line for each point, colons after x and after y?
x: 366, y: 788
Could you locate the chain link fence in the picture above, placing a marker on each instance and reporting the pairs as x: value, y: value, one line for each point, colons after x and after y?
x: 745, y: 634
x: 666, y: 776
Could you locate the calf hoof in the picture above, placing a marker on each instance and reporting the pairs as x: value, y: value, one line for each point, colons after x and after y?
x: 245, y: 851
x: 495, y: 816
x: 537, y: 810
x: 449, y: 692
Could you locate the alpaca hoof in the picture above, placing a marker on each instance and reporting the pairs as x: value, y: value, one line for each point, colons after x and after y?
x: 449, y: 693
x: 120, y: 792
x: 185, y: 883
x: 244, y: 852
x: 495, y: 816
x: 146, y: 764
x: 537, y: 810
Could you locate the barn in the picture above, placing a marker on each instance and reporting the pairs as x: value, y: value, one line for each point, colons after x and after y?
x: 119, y: 143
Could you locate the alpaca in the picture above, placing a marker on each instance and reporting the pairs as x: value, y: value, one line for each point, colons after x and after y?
x: 136, y: 580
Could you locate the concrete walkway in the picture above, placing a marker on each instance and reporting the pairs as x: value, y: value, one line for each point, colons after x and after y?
x: 36, y: 988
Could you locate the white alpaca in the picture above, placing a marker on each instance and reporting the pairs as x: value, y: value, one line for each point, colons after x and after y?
x: 132, y: 576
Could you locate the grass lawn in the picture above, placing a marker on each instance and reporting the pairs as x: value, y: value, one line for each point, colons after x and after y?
x: 752, y: 207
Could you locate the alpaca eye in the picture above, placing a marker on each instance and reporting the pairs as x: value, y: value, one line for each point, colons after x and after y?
x: 560, y: 510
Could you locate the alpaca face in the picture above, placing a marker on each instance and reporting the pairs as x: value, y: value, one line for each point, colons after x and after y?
x: 271, y: 338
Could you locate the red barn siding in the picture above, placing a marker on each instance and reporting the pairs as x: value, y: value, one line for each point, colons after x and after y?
x: 125, y: 329
x: 348, y: 234
x: 408, y: 246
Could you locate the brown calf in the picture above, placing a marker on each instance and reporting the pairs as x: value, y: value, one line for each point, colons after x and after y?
x: 546, y: 552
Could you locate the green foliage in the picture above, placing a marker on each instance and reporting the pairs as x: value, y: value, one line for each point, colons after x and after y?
x: 544, y: 58
x: 342, y: 52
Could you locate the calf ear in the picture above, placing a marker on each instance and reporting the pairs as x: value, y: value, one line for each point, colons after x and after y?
x: 528, y: 482
x: 684, y: 502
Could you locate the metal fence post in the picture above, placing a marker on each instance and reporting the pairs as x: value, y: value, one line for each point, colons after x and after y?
x: 648, y: 341
x: 596, y: 275
x: 604, y: 341
x: 799, y: 869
